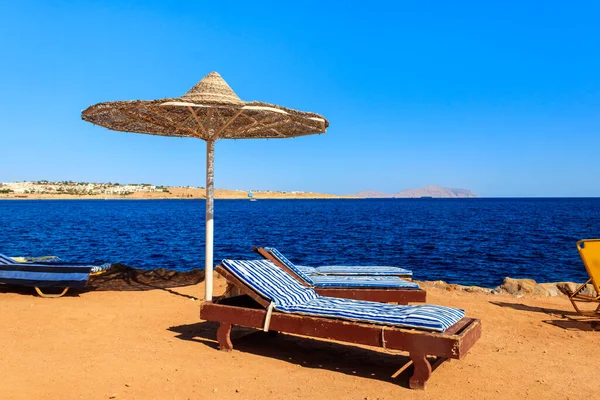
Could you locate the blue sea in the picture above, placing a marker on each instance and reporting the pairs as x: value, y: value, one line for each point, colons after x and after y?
x: 467, y: 241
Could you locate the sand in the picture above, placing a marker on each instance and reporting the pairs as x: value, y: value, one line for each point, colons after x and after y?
x: 152, y: 345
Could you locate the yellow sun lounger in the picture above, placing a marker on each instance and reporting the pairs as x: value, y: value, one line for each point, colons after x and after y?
x: 589, y: 250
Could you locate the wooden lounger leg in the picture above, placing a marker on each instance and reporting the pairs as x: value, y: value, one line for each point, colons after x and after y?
x: 224, y: 337
x: 51, y: 296
x: 422, y: 371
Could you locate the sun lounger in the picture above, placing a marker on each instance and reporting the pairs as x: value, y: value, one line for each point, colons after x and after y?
x: 589, y: 250
x: 385, y: 289
x: 45, y: 276
x: 273, y: 301
x: 358, y: 270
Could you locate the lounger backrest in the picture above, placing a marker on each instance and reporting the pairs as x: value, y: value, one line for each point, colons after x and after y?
x: 283, y: 259
x: 589, y: 250
x: 5, y: 260
x: 270, y: 281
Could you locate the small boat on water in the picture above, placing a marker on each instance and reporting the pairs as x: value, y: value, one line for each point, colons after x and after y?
x: 251, y: 196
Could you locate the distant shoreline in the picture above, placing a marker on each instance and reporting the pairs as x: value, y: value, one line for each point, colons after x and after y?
x: 173, y: 198
x: 68, y: 190
x: 180, y: 194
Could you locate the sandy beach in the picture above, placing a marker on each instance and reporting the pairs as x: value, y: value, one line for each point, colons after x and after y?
x: 152, y: 345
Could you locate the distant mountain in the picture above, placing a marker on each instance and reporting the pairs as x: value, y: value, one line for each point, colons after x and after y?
x: 427, y: 191
x: 371, y: 194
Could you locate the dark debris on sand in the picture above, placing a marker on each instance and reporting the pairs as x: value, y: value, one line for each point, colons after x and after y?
x: 122, y: 277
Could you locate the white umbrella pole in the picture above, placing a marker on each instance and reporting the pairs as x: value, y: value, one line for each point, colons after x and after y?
x: 210, y: 195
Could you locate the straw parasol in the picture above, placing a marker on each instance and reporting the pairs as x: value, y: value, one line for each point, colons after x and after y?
x: 209, y: 111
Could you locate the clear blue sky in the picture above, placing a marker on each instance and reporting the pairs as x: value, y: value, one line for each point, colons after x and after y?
x: 501, y: 99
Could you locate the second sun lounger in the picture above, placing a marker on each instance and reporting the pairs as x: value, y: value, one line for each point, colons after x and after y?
x: 45, y: 276
x: 384, y: 289
x: 334, y: 270
x: 272, y: 301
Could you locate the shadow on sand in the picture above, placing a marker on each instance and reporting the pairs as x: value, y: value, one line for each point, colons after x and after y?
x: 524, y: 307
x: 304, y: 352
x: 147, y: 286
x: 570, y: 320
x: 571, y: 324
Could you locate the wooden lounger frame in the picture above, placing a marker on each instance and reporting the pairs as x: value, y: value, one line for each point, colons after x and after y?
x: 455, y: 342
x: 381, y: 295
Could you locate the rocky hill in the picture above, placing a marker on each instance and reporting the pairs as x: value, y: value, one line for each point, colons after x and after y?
x: 427, y: 191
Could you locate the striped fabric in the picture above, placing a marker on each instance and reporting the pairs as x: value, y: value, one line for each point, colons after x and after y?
x: 307, y: 270
x: 428, y: 317
x: 341, y: 281
x: 356, y: 270
x: 287, y: 295
x: 100, y: 268
x: 375, y: 270
x: 270, y: 281
x: 275, y: 253
x: 6, y: 260
x: 370, y: 270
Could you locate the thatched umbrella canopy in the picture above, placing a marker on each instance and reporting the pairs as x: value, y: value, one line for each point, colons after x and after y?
x: 209, y: 111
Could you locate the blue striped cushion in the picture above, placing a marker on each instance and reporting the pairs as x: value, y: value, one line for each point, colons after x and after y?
x: 6, y: 260
x: 307, y: 273
x: 362, y: 282
x: 428, y: 317
x: 343, y: 281
x: 270, y: 281
x: 99, y: 268
x: 373, y: 270
x: 275, y: 253
x: 307, y: 270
